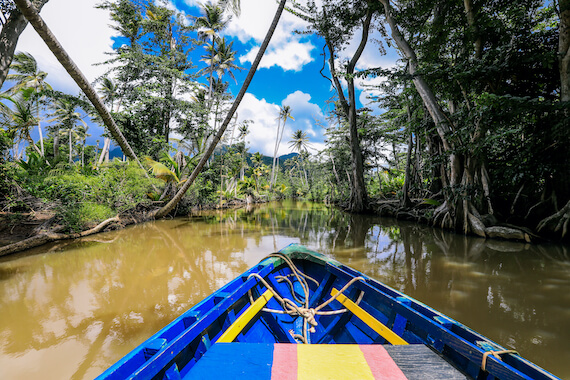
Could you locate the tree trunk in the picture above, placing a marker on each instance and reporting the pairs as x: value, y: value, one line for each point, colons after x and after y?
x: 70, y: 148
x: 470, y: 12
x: 9, y: 36
x: 564, y: 51
x: 455, y: 213
x: 166, y: 209
x: 28, y: 10
x: 56, y: 144
x: 105, y: 152
x: 275, y: 150
x: 359, y: 195
x: 406, y: 188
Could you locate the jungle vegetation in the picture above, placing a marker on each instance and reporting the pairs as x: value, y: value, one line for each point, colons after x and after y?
x: 474, y: 136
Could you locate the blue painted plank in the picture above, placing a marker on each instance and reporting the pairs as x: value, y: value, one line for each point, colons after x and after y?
x: 235, y: 361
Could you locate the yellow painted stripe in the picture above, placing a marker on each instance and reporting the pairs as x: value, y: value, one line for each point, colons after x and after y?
x: 331, y: 361
x: 376, y: 325
x: 233, y: 331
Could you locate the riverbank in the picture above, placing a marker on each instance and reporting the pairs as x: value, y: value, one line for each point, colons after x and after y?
x: 24, y: 230
x: 21, y: 231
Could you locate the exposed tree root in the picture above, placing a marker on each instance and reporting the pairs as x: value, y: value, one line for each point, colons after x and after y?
x: 556, y: 224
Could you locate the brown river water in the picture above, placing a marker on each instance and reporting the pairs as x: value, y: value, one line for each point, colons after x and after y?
x: 70, y: 310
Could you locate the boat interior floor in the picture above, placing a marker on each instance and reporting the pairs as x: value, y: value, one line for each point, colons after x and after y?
x: 285, y: 361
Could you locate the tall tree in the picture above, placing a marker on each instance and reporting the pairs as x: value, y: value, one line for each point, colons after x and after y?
x: 109, y: 93
x: 300, y: 143
x: 69, y: 121
x: 152, y: 70
x: 209, y: 25
x: 336, y: 22
x: 454, y: 213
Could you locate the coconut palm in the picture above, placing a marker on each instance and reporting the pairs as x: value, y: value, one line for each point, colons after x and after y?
x: 19, y: 120
x: 226, y: 57
x: 67, y: 119
x: 284, y: 114
x: 75, y: 133
x: 233, y: 6
x: 12, y: 24
x: 27, y: 75
x: 209, y: 24
x: 300, y: 143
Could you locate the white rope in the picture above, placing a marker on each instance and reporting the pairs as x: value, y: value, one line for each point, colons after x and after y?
x: 291, y: 308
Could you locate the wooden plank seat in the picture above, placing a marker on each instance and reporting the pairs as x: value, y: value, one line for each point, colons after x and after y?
x: 285, y: 361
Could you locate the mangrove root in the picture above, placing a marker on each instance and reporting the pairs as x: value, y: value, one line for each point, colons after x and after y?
x: 556, y: 224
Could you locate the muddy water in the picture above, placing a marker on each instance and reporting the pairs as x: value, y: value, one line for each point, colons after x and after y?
x: 69, y: 311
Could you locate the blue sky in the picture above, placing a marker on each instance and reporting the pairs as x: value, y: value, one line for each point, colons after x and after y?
x: 288, y: 73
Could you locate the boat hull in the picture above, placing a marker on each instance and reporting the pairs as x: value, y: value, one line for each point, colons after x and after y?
x: 363, y: 312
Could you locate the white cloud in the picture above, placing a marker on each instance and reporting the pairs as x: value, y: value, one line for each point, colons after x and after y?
x: 289, y: 56
x: 264, y: 127
x: 84, y: 33
x: 287, y: 50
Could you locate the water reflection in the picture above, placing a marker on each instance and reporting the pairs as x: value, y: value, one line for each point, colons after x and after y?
x: 71, y: 310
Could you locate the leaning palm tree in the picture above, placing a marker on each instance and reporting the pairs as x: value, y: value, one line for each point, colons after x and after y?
x: 284, y: 114
x: 170, y: 205
x: 27, y: 75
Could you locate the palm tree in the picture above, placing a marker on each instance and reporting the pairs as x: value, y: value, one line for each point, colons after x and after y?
x: 13, y: 24
x: 19, y: 120
x: 300, y: 143
x: 284, y: 114
x: 68, y: 121
x: 75, y: 132
x: 170, y: 205
x: 233, y: 6
x: 209, y: 24
x: 27, y: 75
x: 225, y: 59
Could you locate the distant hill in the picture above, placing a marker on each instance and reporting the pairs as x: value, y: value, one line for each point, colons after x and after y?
x: 285, y: 157
x: 267, y: 160
x: 115, y: 153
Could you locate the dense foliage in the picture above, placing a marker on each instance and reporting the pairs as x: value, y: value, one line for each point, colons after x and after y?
x: 474, y: 129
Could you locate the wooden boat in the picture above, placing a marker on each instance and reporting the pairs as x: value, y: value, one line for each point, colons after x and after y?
x: 299, y: 314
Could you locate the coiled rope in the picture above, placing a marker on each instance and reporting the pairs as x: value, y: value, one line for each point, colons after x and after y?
x: 290, y: 307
